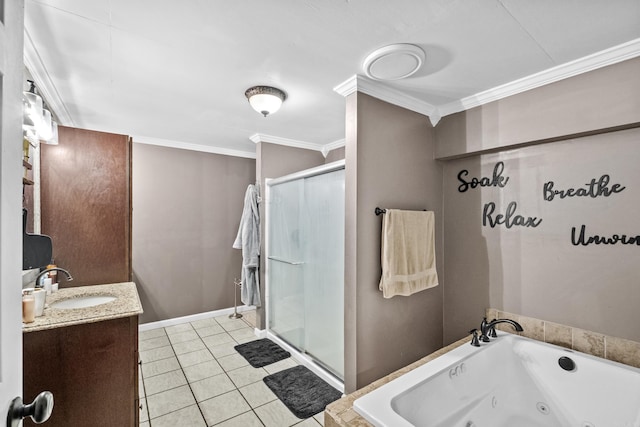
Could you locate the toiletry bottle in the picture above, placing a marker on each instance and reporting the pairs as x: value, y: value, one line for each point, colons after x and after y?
x: 47, y: 285
x: 25, y: 149
x: 25, y: 155
x: 53, y: 274
x: 28, y: 306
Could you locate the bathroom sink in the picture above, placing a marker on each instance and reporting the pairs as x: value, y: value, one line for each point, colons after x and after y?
x: 82, y: 302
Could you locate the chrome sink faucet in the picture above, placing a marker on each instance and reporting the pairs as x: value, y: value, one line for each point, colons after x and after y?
x: 38, y: 281
x: 488, y: 330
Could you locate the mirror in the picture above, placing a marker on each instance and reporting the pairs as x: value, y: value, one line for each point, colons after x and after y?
x: 37, y: 249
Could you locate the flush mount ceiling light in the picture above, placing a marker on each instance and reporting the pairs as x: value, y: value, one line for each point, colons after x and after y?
x: 265, y: 99
x: 394, y: 62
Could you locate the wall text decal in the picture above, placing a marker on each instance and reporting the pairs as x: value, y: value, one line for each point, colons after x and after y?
x: 600, y: 240
x: 509, y: 219
x: 595, y: 188
x: 497, y: 180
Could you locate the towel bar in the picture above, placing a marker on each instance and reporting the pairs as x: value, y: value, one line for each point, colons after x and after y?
x: 380, y: 211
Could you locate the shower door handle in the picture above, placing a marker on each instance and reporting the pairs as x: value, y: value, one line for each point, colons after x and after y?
x: 273, y: 258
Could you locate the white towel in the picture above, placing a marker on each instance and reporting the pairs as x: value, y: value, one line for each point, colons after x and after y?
x: 407, y: 252
x: 248, y: 239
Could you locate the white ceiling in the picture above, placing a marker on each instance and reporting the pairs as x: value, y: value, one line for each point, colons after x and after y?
x: 175, y: 72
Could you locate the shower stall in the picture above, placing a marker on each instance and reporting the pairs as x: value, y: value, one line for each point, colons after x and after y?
x: 305, y: 265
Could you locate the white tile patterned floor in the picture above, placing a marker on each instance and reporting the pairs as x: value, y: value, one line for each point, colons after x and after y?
x: 191, y: 376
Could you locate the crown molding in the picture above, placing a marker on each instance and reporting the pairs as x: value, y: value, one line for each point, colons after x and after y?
x: 260, y: 137
x: 388, y: 94
x: 255, y: 138
x: 332, y: 146
x: 335, y: 144
x: 348, y: 86
x: 614, y: 55
x: 44, y: 83
x: 193, y: 147
x: 324, y: 149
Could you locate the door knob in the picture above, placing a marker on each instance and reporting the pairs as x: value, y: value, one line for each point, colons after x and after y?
x: 39, y: 410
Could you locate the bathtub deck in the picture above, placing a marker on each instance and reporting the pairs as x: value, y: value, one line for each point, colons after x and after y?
x: 341, y: 413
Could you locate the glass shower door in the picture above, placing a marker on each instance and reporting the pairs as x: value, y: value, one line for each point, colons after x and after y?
x: 323, y: 246
x: 306, y: 266
x: 286, y: 290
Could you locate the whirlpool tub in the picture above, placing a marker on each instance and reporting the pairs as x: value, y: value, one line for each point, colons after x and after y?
x: 510, y: 382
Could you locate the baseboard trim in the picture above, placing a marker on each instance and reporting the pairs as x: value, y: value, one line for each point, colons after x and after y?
x: 190, y: 318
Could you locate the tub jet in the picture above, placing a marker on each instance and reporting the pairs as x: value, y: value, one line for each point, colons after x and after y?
x: 543, y: 408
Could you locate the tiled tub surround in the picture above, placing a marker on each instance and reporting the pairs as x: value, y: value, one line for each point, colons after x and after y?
x: 127, y: 303
x: 607, y: 347
x: 341, y: 412
x: 192, y: 376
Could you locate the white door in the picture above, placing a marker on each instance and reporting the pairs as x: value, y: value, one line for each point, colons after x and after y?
x: 11, y: 74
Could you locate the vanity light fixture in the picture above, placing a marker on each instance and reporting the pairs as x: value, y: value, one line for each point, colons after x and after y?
x: 32, y: 108
x: 37, y: 123
x: 28, y: 124
x: 45, y: 131
x: 265, y: 99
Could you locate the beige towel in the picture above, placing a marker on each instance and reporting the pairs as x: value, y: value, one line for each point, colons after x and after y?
x: 408, y: 252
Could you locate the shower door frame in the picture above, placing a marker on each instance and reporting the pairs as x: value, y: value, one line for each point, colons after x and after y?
x: 303, y: 358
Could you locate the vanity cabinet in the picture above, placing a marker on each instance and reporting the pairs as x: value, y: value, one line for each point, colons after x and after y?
x: 91, y: 369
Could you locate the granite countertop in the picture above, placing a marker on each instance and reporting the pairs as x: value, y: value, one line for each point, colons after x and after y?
x: 341, y: 413
x: 127, y: 303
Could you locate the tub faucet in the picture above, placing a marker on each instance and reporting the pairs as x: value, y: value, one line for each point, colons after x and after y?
x: 37, y: 282
x: 488, y: 329
x: 474, y: 338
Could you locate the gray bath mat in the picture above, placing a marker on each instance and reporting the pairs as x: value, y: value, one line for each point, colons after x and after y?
x: 302, y: 391
x: 262, y: 352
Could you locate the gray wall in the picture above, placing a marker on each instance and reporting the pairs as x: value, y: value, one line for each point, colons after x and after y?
x: 186, y: 211
x: 273, y: 161
x: 601, y: 100
x: 389, y: 163
x: 538, y: 271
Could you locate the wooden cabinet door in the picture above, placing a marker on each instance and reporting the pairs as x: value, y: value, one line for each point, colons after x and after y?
x: 90, y: 368
x: 86, y: 204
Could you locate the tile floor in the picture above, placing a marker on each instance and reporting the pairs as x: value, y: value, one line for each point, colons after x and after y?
x: 191, y: 376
